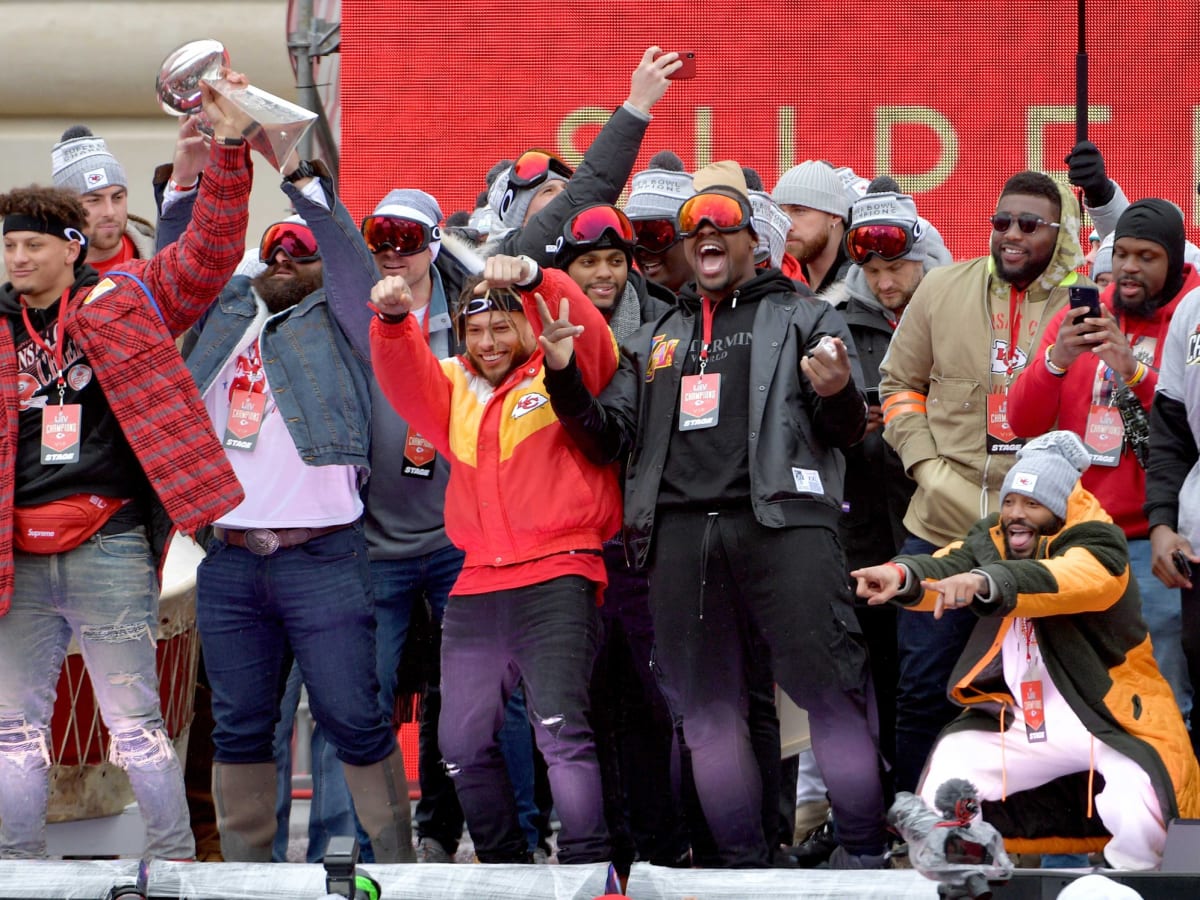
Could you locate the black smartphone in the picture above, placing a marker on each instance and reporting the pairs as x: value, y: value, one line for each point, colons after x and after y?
x: 1089, y: 297
x: 1183, y: 565
x: 872, y: 396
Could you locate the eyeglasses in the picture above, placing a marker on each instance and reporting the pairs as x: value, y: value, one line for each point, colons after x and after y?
x: 888, y: 242
x: 724, y: 212
x: 589, y: 225
x: 1027, y: 222
x: 655, y: 235
x: 294, y: 239
x: 533, y: 166
x: 405, y: 236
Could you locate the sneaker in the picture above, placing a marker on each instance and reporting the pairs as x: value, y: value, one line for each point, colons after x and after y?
x: 430, y: 850
x: 810, y: 816
x: 817, y: 848
x: 841, y: 858
x: 540, y: 856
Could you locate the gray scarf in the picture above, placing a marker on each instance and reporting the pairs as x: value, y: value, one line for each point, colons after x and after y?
x: 627, y: 317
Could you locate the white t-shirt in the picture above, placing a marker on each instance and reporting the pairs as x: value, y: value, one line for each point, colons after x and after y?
x: 282, y: 491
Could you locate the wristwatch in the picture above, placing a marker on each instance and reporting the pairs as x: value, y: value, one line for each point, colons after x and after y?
x: 304, y: 170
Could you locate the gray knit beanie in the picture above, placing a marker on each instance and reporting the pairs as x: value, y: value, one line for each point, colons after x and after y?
x: 657, y: 194
x: 813, y: 184
x: 81, y: 162
x: 1047, y: 469
x: 772, y: 225
x: 1102, y: 261
x: 511, y: 204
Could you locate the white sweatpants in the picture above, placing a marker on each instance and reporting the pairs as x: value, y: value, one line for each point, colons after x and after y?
x: 1128, y: 805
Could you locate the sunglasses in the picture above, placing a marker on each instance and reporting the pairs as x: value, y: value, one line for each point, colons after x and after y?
x: 506, y: 300
x: 405, y: 236
x: 1027, y: 222
x: 533, y: 166
x: 655, y: 235
x: 294, y: 239
x: 724, y: 212
x: 888, y: 242
x: 591, y: 224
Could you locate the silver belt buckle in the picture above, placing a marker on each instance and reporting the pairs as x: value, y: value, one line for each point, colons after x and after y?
x: 262, y: 541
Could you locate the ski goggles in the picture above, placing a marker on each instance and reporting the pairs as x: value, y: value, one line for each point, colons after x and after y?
x: 1027, y: 222
x: 294, y: 239
x: 590, y: 225
x: 533, y: 167
x: 405, y: 236
x: 725, y: 212
x: 655, y: 235
x: 889, y: 242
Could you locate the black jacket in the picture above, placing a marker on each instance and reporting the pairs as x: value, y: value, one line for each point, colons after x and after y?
x: 790, y: 426
x: 877, y: 488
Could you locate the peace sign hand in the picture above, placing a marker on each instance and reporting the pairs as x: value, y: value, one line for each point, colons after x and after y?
x: 557, y: 339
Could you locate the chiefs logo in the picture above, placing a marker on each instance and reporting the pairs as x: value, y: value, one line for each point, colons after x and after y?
x: 528, y: 404
x: 662, y: 354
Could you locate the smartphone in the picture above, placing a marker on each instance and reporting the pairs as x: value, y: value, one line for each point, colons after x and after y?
x: 872, y: 396
x: 686, y: 71
x: 1089, y: 297
x: 1183, y: 565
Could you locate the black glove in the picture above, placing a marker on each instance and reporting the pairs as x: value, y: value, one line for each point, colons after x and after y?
x: 1085, y: 169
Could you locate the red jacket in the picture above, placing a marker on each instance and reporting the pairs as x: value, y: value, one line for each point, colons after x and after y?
x: 520, y: 490
x: 132, y: 352
x: 1039, y: 402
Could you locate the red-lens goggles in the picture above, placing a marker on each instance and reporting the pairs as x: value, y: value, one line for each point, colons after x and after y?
x: 405, y: 236
x: 533, y: 166
x: 589, y: 226
x: 294, y: 239
x: 888, y: 242
x: 724, y: 212
x: 655, y: 235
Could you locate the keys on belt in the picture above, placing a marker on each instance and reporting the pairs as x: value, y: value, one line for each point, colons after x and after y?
x: 265, y: 541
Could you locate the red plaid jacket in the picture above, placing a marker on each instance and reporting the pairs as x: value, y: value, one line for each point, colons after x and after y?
x: 132, y: 352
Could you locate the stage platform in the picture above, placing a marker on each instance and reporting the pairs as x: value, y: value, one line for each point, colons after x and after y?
x: 92, y: 880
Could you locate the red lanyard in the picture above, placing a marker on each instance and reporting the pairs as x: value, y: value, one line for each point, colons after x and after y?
x: 1027, y: 633
x: 706, y: 318
x: 1014, y: 329
x: 57, y: 352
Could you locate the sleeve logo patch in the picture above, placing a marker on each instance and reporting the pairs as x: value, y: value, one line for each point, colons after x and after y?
x: 99, y: 290
x: 662, y: 354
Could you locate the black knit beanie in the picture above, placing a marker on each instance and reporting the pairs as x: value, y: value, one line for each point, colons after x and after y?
x: 1160, y: 221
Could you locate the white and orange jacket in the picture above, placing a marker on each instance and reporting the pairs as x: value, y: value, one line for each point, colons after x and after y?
x: 519, y: 488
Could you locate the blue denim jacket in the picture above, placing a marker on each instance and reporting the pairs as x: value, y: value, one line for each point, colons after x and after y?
x: 320, y: 383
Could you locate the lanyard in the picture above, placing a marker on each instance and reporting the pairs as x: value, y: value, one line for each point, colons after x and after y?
x: 707, y: 307
x: 61, y: 330
x: 1014, y: 331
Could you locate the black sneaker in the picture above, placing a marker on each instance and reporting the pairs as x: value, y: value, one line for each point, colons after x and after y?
x: 817, y: 848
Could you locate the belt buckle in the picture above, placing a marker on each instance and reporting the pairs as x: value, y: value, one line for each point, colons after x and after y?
x: 262, y: 541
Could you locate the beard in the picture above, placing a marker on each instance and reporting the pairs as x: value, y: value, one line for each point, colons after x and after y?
x: 1052, y: 527
x: 284, y: 293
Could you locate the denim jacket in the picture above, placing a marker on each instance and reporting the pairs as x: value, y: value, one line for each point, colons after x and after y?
x: 319, y: 381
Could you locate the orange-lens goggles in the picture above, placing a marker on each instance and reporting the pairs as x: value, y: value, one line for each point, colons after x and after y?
x: 405, y: 236
x: 888, y: 242
x: 724, y: 212
x: 294, y: 239
x: 532, y: 167
x: 655, y: 235
x: 589, y: 225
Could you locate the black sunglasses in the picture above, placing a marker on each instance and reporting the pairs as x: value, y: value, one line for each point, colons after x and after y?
x: 1027, y: 222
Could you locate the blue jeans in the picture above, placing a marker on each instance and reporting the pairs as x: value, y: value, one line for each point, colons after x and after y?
x: 546, y: 634
x: 1163, y: 612
x: 399, y: 584
x: 331, y: 811
x: 314, y: 598
x: 104, y: 593
x: 927, y: 648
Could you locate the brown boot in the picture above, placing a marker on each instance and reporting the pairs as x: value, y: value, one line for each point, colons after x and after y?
x: 380, y: 793
x: 244, y: 795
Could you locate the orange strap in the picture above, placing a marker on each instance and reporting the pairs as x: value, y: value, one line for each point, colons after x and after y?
x: 903, y: 402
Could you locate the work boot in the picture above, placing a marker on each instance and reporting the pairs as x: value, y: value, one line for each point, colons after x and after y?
x: 380, y: 794
x: 244, y: 796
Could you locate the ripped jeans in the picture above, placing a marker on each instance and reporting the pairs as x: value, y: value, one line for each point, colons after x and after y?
x: 104, y: 594
x: 546, y: 635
